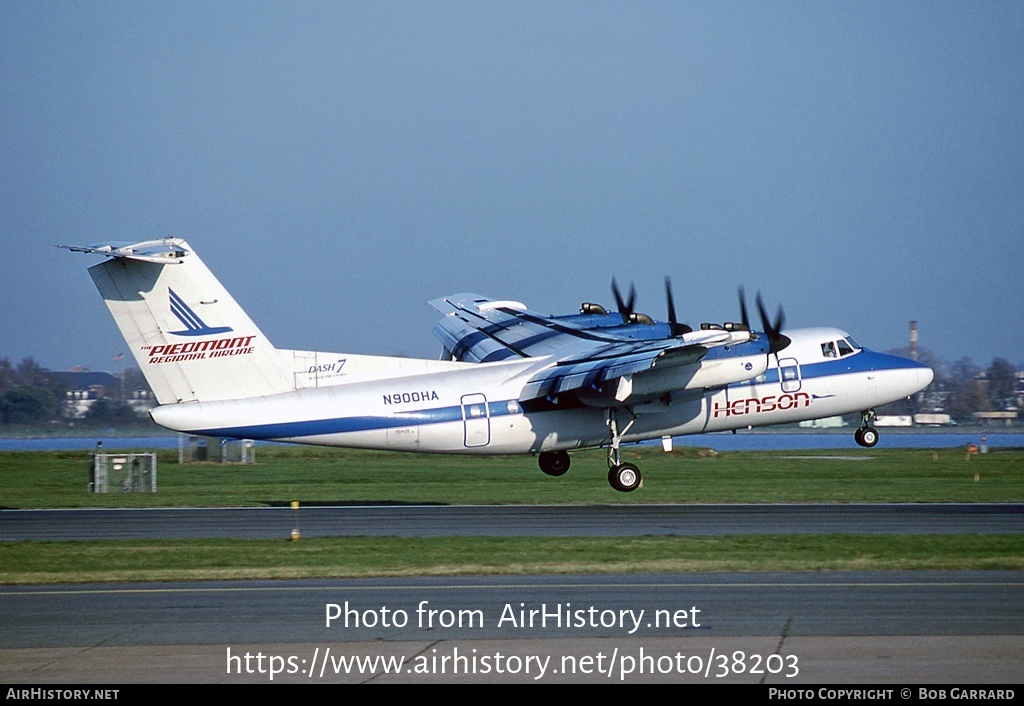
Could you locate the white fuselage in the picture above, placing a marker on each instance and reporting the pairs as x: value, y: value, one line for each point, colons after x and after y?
x: 474, y: 408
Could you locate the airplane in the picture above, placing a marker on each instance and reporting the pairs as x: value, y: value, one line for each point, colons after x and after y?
x: 509, y: 380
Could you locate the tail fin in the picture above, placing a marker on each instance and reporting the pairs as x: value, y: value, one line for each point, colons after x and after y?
x: 191, y: 340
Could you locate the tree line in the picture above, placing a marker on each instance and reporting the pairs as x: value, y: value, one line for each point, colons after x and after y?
x: 969, y: 389
x: 32, y: 395
x: 963, y: 388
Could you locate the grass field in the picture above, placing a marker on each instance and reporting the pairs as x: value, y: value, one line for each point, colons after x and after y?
x: 323, y: 476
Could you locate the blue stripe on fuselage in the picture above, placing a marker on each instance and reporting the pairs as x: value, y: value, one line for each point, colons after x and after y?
x: 863, y: 361
x: 341, y: 425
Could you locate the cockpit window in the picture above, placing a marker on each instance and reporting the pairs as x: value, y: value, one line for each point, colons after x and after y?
x: 853, y: 344
x: 838, y: 349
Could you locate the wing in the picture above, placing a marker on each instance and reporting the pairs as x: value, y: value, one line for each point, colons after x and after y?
x: 599, y: 370
x: 482, y: 330
x: 581, y: 358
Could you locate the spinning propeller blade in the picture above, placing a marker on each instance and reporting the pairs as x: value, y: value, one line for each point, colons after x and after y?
x: 677, y: 328
x: 772, y: 329
x: 625, y: 306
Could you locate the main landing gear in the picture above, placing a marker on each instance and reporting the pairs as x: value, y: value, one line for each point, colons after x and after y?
x: 624, y: 477
x: 554, y: 463
x: 866, y: 435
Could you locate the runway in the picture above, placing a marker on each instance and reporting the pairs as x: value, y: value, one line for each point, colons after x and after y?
x: 821, y: 627
x: 925, y: 627
x: 509, y: 520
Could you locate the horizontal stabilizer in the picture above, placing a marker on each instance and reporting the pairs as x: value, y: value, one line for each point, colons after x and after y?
x: 166, y: 251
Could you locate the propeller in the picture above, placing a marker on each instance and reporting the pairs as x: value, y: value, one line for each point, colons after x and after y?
x: 772, y: 329
x: 625, y: 306
x: 744, y: 319
x: 675, y: 327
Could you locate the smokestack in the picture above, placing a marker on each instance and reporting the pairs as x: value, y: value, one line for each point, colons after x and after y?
x: 913, y: 340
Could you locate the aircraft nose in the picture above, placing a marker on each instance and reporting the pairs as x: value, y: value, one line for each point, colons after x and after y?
x: 925, y: 375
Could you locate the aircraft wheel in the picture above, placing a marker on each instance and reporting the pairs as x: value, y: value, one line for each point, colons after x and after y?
x: 867, y: 437
x: 554, y: 463
x: 625, y: 477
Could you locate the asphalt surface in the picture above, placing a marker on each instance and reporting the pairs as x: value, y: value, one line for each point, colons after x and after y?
x: 821, y: 627
x: 504, y: 520
x: 866, y: 628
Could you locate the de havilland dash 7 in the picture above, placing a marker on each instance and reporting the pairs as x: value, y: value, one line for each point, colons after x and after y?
x: 510, y: 380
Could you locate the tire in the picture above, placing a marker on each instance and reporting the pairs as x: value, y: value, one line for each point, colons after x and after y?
x: 866, y: 437
x: 554, y: 463
x: 869, y: 437
x: 625, y: 477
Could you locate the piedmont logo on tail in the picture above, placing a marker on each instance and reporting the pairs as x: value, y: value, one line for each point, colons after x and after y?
x: 194, y: 326
x: 509, y: 381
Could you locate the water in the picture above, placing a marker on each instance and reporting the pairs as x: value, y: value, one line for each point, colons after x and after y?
x: 82, y: 443
x: 744, y: 441
x: 781, y: 441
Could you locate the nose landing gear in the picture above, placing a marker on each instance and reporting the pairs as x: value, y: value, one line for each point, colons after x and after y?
x: 866, y: 435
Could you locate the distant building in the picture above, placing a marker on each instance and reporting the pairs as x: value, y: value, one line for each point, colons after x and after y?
x: 826, y: 423
x: 1006, y: 418
x: 84, y: 387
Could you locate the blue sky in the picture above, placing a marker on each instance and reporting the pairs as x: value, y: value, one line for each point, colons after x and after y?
x: 338, y: 164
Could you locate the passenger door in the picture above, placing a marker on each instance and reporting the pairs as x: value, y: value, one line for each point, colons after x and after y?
x: 476, y: 418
